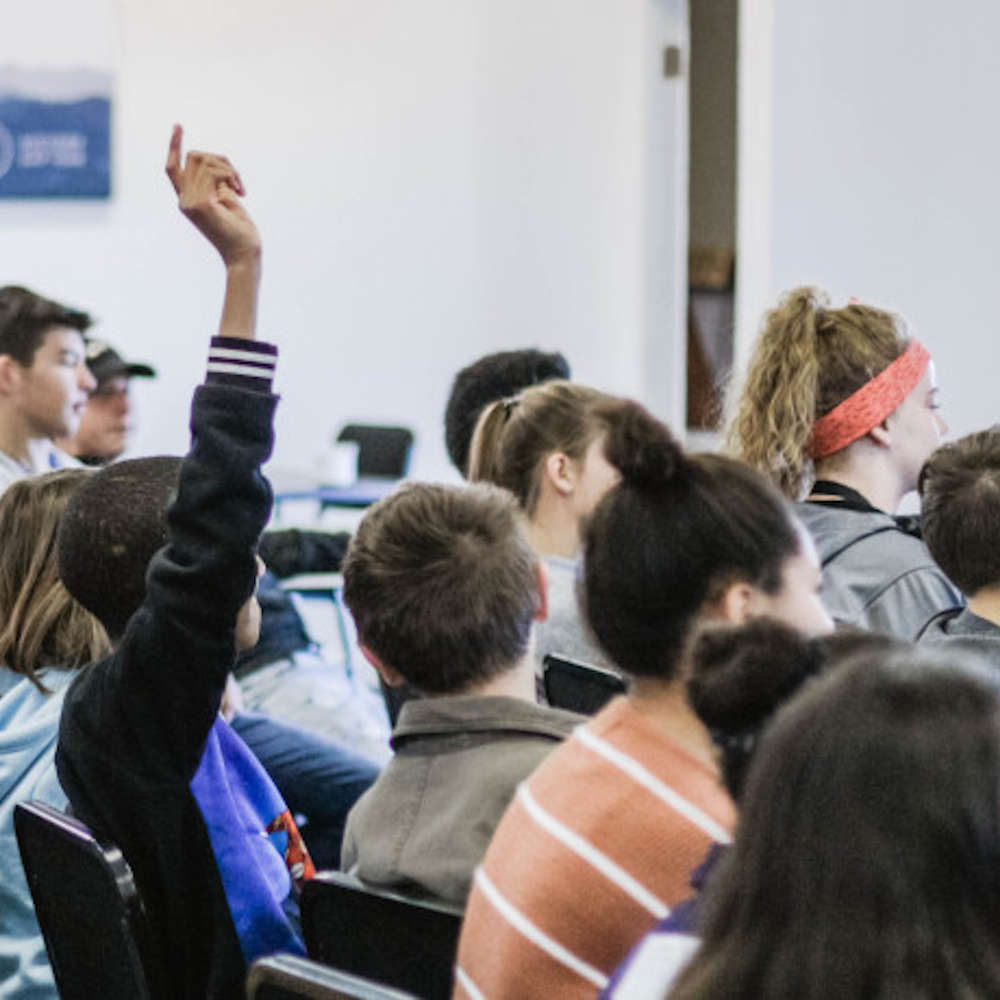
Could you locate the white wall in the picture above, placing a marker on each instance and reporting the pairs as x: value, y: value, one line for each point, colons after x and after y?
x: 883, y: 179
x: 433, y: 180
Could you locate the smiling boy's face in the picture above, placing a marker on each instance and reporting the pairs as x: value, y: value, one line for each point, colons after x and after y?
x: 51, y: 393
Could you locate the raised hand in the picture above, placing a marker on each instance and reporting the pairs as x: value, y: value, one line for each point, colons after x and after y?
x: 209, y: 190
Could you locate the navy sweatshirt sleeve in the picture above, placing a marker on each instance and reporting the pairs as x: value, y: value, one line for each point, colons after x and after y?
x: 134, y: 726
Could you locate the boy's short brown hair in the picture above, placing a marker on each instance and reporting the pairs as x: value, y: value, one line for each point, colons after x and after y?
x: 960, y: 509
x: 443, y: 585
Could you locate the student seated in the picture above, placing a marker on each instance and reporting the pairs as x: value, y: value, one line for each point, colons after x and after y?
x: 840, y: 407
x: 489, y: 378
x: 865, y: 863
x: 43, y: 382
x: 144, y: 756
x: 547, y: 446
x: 960, y: 499
x: 107, y: 421
x: 740, y: 677
x: 46, y: 636
x: 601, y: 840
x: 444, y: 589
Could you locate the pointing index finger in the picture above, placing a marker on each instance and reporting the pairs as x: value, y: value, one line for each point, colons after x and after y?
x: 173, y: 167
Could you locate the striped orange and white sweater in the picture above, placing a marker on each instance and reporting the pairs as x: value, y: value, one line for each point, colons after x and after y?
x: 597, y: 846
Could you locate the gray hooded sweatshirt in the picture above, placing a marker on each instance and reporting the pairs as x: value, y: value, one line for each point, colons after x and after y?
x: 875, y: 575
x: 964, y: 632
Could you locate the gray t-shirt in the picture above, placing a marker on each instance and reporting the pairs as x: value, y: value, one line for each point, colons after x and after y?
x: 564, y: 632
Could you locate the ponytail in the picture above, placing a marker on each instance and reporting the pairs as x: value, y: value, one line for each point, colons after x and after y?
x: 484, y: 449
x: 808, y: 359
x: 777, y: 407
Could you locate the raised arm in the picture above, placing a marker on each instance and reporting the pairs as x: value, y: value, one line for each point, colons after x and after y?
x: 209, y: 190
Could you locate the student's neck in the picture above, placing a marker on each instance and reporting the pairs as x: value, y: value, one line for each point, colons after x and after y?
x: 516, y: 682
x: 665, y: 704
x: 16, y: 440
x: 552, y: 532
x: 985, y: 603
x: 880, y: 487
x: 68, y: 445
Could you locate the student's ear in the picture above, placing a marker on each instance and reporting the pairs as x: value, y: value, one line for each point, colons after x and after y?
x: 10, y: 375
x: 560, y: 472
x: 542, y: 611
x: 735, y: 603
x: 881, y: 434
x: 390, y: 675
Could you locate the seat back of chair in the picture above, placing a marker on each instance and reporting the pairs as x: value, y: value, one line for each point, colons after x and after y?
x: 288, y: 977
x: 405, y: 943
x: 87, y: 906
x: 382, y: 451
x: 579, y: 687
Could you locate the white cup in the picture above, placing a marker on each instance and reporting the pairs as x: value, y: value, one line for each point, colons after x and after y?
x: 339, y: 466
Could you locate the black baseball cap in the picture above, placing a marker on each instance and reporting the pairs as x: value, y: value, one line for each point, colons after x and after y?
x: 105, y: 362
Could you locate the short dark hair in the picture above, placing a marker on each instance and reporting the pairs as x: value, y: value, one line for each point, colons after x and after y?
x: 26, y: 317
x: 112, y: 528
x: 865, y: 861
x: 672, y: 533
x: 492, y: 377
x: 960, y: 509
x: 741, y: 675
x: 443, y: 585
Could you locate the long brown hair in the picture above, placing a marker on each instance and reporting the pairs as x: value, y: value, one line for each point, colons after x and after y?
x: 865, y: 861
x: 808, y: 359
x: 41, y: 625
x: 513, y: 435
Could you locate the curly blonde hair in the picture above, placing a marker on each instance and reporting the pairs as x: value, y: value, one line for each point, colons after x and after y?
x: 808, y: 359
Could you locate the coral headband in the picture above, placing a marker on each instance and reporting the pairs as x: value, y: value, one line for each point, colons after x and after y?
x: 871, y: 404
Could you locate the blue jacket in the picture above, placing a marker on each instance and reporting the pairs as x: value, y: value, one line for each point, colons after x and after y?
x: 29, y: 725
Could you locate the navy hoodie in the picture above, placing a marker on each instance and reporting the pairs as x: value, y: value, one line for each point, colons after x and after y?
x: 143, y: 755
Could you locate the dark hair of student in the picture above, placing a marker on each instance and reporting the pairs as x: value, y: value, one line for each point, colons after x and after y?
x: 42, y: 625
x: 867, y: 858
x: 671, y: 536
x: 112, y: 528
x: 960, y: 509
x: 492, y: 377
x: 741, y: 675
x: 25, y: 318
x: 443, y: 585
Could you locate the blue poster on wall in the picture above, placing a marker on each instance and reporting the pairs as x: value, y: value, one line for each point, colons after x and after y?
x: 55, y: 134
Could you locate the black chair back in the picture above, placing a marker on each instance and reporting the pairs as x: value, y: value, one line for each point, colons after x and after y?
x: 404, y: 943
x: 288, y: 977
x: 579, y: 687
x: 87, y: 905
x: 382, y: 451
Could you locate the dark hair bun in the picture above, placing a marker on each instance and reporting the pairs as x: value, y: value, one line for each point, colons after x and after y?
x: 741, y: 675
x: 642, y: 449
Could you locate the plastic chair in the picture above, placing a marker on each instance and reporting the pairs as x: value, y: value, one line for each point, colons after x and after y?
x: 382, y: 451
x: 288, y: 977
x: 579, y: 687
x: 408, y: 944
x: 88, y: 908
